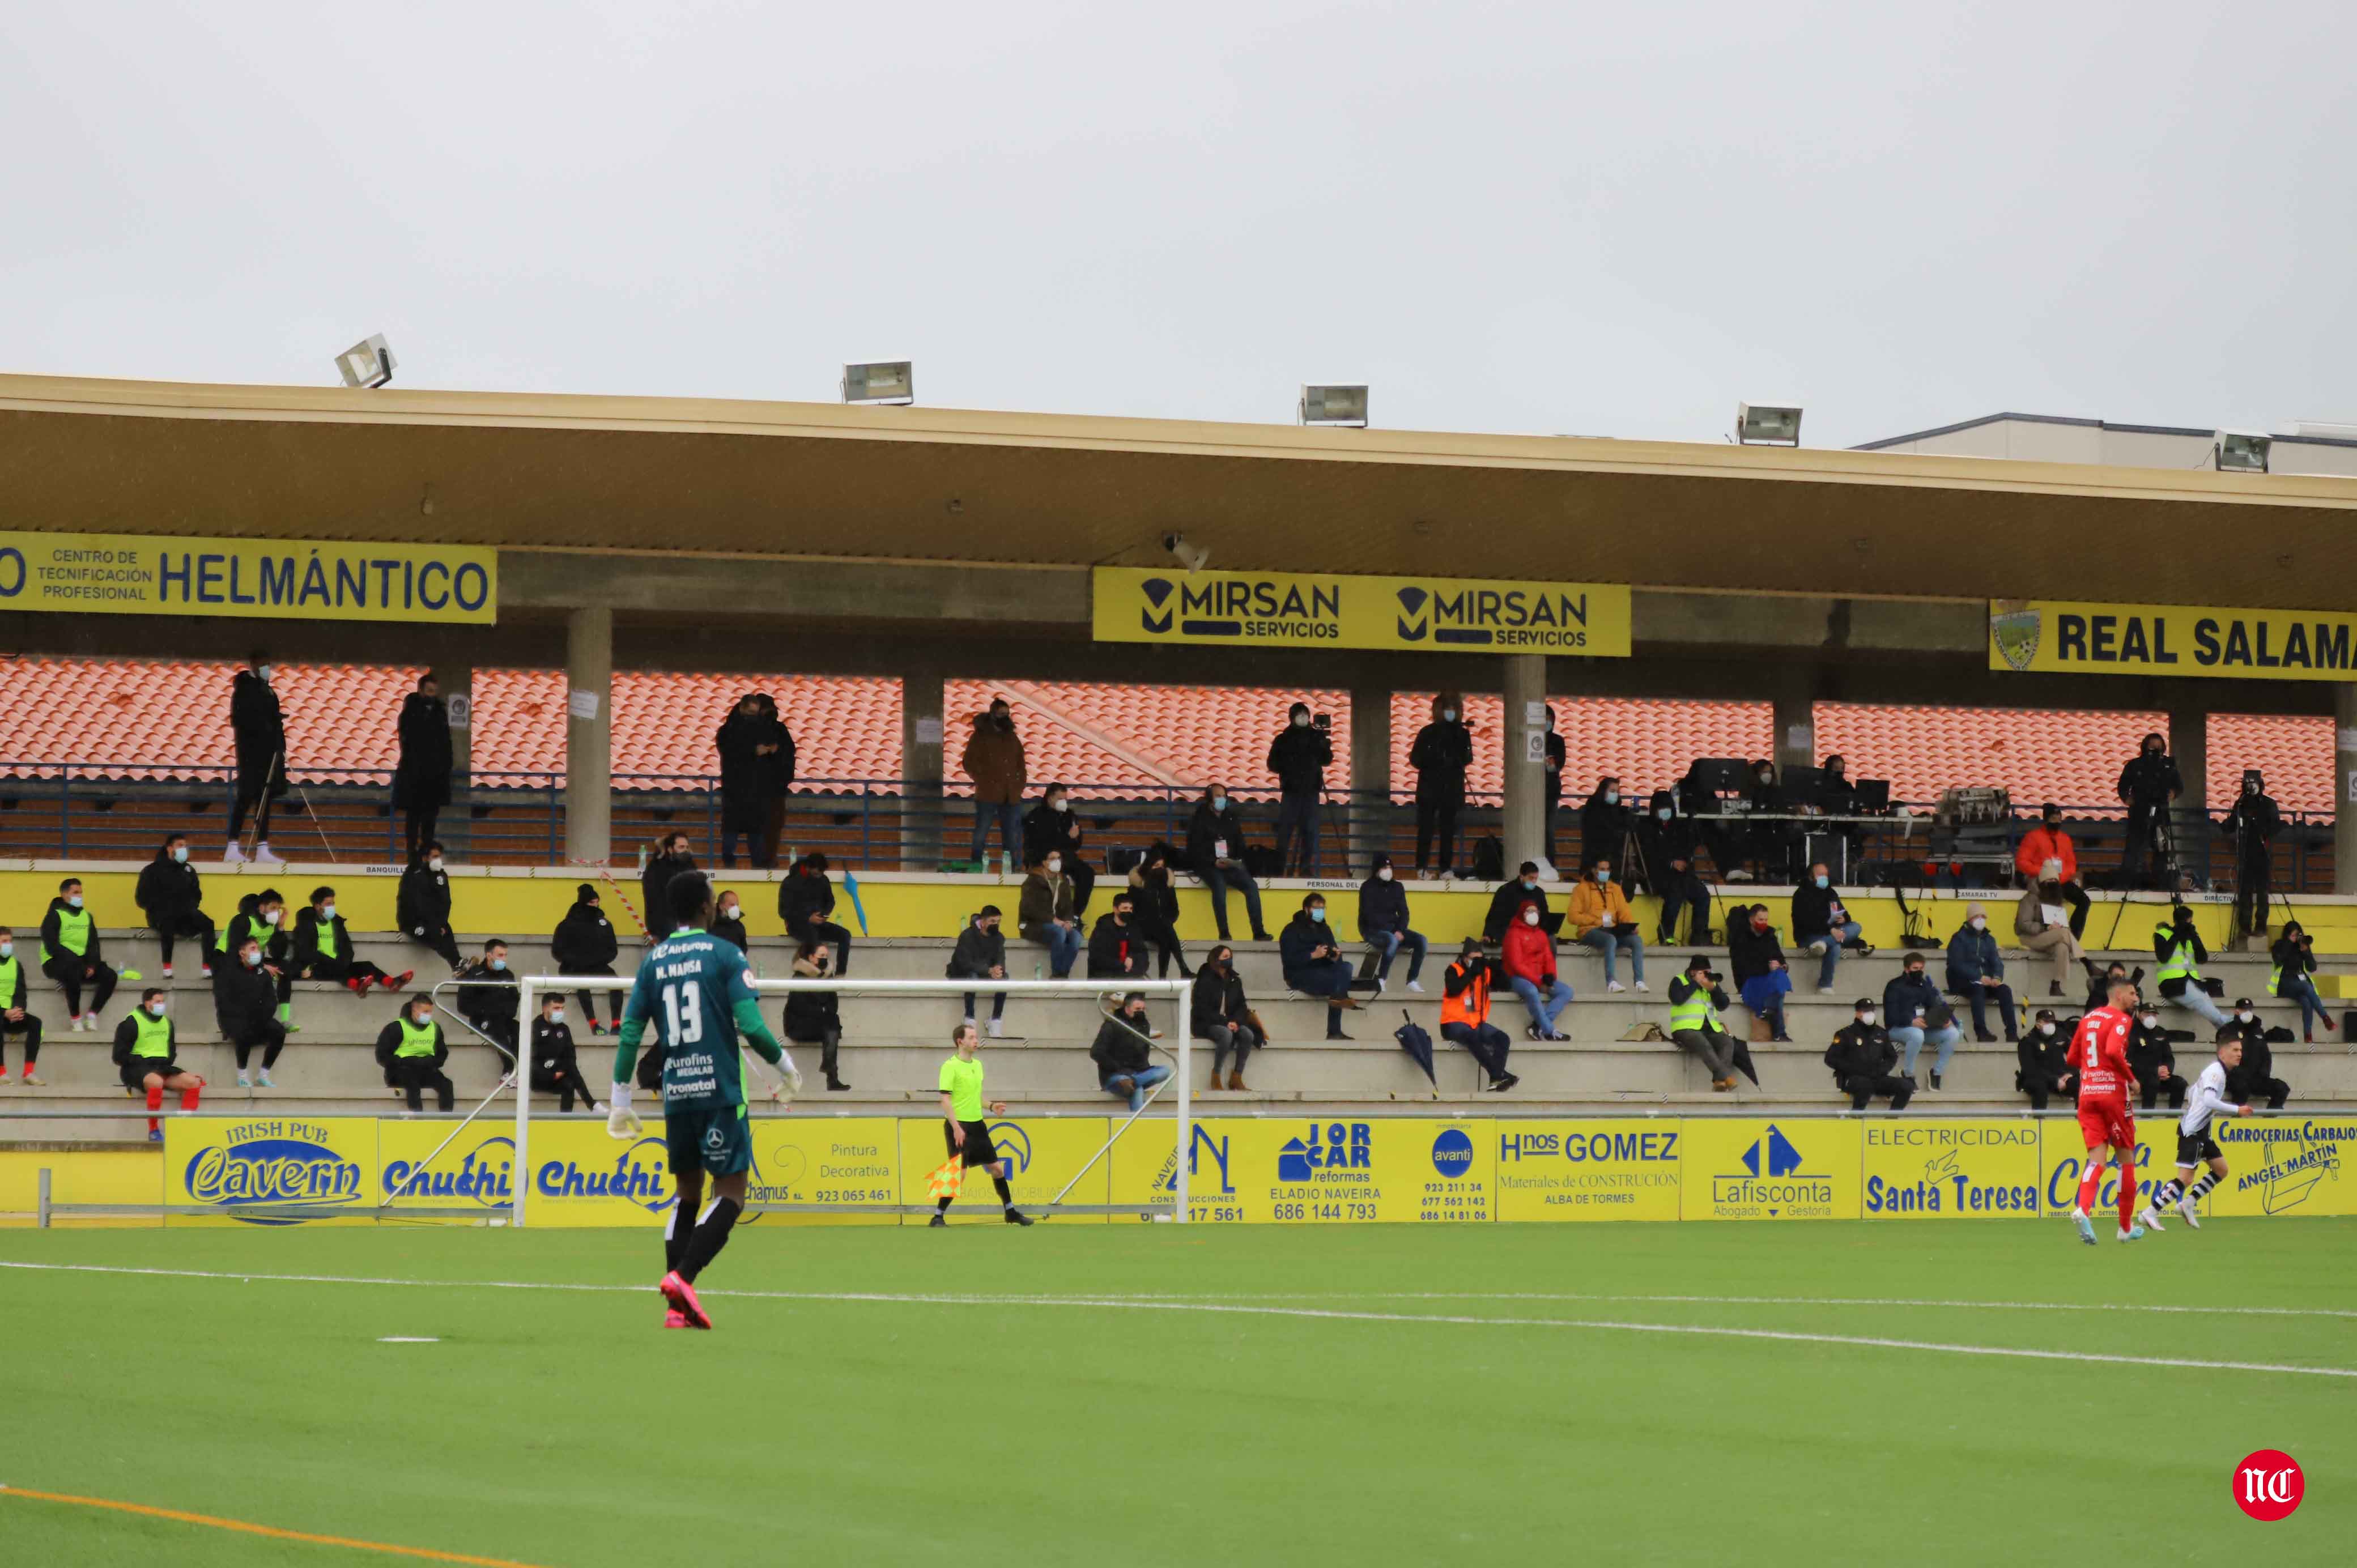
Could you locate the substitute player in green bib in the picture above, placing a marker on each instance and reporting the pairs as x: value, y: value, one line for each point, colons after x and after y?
x: 962, y: 1127
x: 699, y: 992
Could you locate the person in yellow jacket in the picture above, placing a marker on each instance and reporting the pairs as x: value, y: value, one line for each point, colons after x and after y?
x: 1599, y: 918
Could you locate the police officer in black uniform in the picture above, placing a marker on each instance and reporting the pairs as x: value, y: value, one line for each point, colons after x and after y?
x: 2044, y: 1055
x: 2152, y: 1056
x: 1865, y: 1063
x: 2254, y: 1081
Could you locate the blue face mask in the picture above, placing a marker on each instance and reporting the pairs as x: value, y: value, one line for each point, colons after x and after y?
x: 74, y: 900
x: 499, y: 963
x: 1824, y: 882
x: 1318, y: 914
x: 1602, y: 877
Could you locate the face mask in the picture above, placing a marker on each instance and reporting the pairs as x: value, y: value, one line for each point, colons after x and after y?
x: 2149, y: 1019
x: 180, y: 855
x: 1530, y: 917
x: 435, y: 864
x: 2245, y: 1017
x: 1612, y: 797
x: 1915, y: 974
x: 269, y: 917
x: 2152, y: 751
x: 1979, y: 924
x: 1602, y: 877
x: 1218, y: 803
x: 421, y: 1019
x: 499, y: 965
x: 1060, y: 805
x: 1824, y: 881
x: 1530, y: 882
x: 1867, y: 1016
x: 1767, y: 778
x: 7, y: 949
x: 1003, y: 721
x: 2045, y: 1028
x: 1449, y: 715
x: 327, y: 912
x: 74, y: 900
x: 252, y: 960
x: 1054, y: 866
x: 1384, y: 872
x: 155, y: 1009
x: 265, y: 671
x: 1549, y: 726
x: 1663, y: 813
x: 1319, y: 915
x: 730, y: 913
x: 1300, y: 721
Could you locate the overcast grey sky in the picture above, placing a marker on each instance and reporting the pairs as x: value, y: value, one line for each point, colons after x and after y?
x: 1603, y: 220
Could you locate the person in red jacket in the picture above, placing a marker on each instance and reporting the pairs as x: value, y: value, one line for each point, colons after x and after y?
x: 2047, y: 854
x: 1529, y: 955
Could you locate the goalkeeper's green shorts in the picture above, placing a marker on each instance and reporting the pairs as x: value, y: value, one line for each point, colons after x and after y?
x: 719, y: 1138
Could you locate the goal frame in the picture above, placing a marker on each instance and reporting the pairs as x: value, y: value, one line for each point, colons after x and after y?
x: 533, y: 988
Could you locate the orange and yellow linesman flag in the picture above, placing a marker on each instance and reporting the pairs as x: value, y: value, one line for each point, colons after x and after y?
x: 948, y: 1180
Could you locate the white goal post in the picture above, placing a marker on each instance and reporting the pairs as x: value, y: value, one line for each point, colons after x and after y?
x: 533, y: 988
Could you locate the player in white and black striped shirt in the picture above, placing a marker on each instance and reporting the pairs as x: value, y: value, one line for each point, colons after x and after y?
x: 2194, y: 1143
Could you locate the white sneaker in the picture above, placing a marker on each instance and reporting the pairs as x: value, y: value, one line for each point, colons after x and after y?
x: 262, y: 853
x: 2185, y: 1207
x: 1824, y: 991
x: 233, y: 856
x: 997, y: 1028
x: 168, y: 972
x: 1614, y: 985
x: 968, y: 1024
x: 244, y: 1080
x: 2151, y: 1218
x: 30, y: 1081
x: 1416, y: 986
x: 1642, y: 986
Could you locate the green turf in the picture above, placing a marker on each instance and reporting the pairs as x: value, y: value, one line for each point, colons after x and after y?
x: 879, y: 1432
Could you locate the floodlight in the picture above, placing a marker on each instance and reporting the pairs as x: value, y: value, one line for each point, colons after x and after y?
x: 367, y: 363
x: 1194, y: 557
x: 1334, y: 405
x: 2242, y: 451
x: 886, y: 381
x: 1767, y: 424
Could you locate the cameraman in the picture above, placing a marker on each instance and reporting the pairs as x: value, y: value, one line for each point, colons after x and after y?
x: 1299, y: 757
x: 2254, y: 821
x: 2295, y: 960
x: 2179, y: 949
x: 1695, y: 1002
x: 2148, y: 785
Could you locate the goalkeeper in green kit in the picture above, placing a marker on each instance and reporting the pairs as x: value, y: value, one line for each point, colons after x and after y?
x: 699, y: 990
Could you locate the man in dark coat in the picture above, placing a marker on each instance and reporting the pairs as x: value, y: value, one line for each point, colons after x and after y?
x: 806, y: 903
x: 422, y: 904
x: 1604, y: 823
x: 1299, y: 757
x: 1441, y: 754
x: 750, y: 741
x: 421, y: 783
x: 1667, y: 840
x: 1865, y: 1063
x: 2253, y: 825
x: 260, y: 730
x: 2253, y: 1082
x: 1117, y: 950
x: 671, y: 857
x: 171, y: 895
x: 1050, y: 828
x: 2147, y: 785
x: 584, y: 943
x: 1215, y: 852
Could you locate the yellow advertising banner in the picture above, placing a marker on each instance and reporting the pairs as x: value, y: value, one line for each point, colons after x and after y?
x: 1443, y: 614
x: 275, y: 579
x: 2085, y: 639
x: 477, y: 1166
x: 1620, y: 1169
x: 1042, y: 1153
x: 83, y: 1176
x: 1743, y: 1168
x: 1322, y: 1171
x: 1917, y: 1168
x: 2286, y: 1164
x: 2063, y: 1152
x: 848, y: 1160
x: 326, y: 1163
x: 1146, y: 1159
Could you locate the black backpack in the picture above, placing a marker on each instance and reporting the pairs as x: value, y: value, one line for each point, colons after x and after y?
x: 1489, y: 859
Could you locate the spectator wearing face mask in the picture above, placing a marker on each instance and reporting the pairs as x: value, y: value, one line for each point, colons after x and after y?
x: 2177, y: 943
x: 556, y: 1070
x: 1528, y: 955
x: 1765, y: 842
x: 1215, y: 848
x: 806, y: 904
x: 261, y: 917
x: 421, y: 779
x: 15, y: 1017
x: 1554, y: 777
x: 1441, y: 756
x: 1156, y: 912
x: 1821, y: 924
x: 1299, y: 757
x: 171, y: 895
x: 2152, y: 1056
x: 1695, y: 1002
x: 321, y: 949
x: 1382, y: 925
x: 1668, y: 841
x: 1217, y: 1012
x: 243, y: 1004
x: 412, y: 1051
x: 584, y: 943
x: 147, y: 1055
x: 728, y: 921
x: 2253, y: 1082
x: 1050, y: 828
x: 422, y: 905
x: 1117, y: 949
x: 1604, y: 823
x: 1506, y: 902
x: 2099, y: 986
x: 1755, y: 958
x: 2149, y: 785
x: 2251, y: 827
x: 2293, y: 956
x: 669, y: 858
x: 1123, y: 1053
x: 1314, y: 966
x: 1865, y: 1062
x: 490, y: 998
x: 2043, y: 1053
x: 1465, y: 1014
x: 750, y: 741
x: 1044, y: 914
x: 815, y: 1017
x: 73, y: 955
x: 981, y: 954
x: 1599, y: 918
x: 1915, y: 1014
x: 1976, y: 973
x: 2047, y: 854
x: 259, y: 728
x: 994, y: 760
x: 2039, y: 926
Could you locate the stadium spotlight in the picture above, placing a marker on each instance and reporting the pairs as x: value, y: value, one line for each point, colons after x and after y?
x: 2241, y: 451
x: 1194, y: 557
x: 886, y: 381
x: 1334, y: 405
x: 1767, y: 424
x: 367, y: 363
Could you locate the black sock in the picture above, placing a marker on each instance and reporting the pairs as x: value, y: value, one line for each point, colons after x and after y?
x: 2202, y: 1187
x: 711, y: 1235
x: 2171, y: 1191
x: 1006, y: 1193
x: 943, y: 1206
x: 675, y: 1235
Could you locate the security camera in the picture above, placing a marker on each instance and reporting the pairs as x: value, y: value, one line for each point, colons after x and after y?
x: 1194, y: 557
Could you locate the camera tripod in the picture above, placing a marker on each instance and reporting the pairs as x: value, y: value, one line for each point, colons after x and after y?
x: 2161, y: 854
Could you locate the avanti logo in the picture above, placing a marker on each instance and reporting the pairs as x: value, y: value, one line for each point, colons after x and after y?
x: 1452, y: 1152
x: 641, y: 1174
x: 275, y: 1172
x: 486, y: 1175
x: 1157, y: 593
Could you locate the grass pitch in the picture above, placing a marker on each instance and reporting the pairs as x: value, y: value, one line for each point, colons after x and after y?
x: 1153, y: 1394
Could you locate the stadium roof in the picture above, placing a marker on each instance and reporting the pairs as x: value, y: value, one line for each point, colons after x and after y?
x: 775, y: 480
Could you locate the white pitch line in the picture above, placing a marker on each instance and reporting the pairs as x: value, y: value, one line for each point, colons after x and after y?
x: 1737, y: 1301
x: 1712, y: 1331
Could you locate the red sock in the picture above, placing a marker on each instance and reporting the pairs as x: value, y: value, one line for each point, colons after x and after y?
x: 188, y: 1097
x: 2089, y: 1180
x: 154, y: 1125
x: 2127, y: 1192
x: 155, y: 1100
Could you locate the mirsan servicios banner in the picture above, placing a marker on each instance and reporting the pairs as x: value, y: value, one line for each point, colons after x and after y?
x: 1443, y: 615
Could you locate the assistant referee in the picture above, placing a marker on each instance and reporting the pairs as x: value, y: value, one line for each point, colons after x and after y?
x: 962, y: 1127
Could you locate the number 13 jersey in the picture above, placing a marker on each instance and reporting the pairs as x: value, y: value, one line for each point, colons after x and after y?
x: 687, y: 991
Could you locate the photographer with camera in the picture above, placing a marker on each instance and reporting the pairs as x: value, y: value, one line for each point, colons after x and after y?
x: 2294, y: 961
x: 1299, y: 757
x: 2148, y: 785
x: 2179, y: 949
x: 2253, y: 825
x: 1697, y: 999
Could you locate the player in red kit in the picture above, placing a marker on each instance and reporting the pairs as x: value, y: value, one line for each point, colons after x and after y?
x: 2099, y: 1053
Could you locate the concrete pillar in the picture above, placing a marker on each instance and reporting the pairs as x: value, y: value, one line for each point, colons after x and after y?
x: 1795, y: 718
x: 1371, y: 775
x: 2344, y: 787
x: 921, y: 701
x: 589, y: 735
x: 2188, y: 743
x: 1523, y: 745
x: 455, y: 829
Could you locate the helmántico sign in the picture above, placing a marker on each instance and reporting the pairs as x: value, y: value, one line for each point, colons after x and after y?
x: 1445, y: 615
x: 275, y: 579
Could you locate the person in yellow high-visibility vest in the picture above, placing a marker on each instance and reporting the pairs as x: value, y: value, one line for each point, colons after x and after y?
x: 14, y: 1018
x: 411, y: 1050
x: 71, y: 955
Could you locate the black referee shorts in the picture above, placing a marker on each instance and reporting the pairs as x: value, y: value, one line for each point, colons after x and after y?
x: 2192, y: 1148
x: 979, y: 1150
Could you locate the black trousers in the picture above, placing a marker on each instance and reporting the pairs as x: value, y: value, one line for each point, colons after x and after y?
x: 2140, y: 851
x: 1167, y: 951
x: 2253, y: 1090
x: 1084, y: 881
x: 194, y: 923
x: 2075, y: 897
x: 1980, y: 996
x: 2251, y: 879
x: 254, y: 797
x: 414, y: 1075
x: 1298, y: 815
x: 1487, y: 1042
x: 1436, y: 821
x: 343, y: 970
x: 2040, y: 1088
x: 30, y: 1027
x: 418, y: 827
x: 438, y: 939
x: 2171, y: 1088
x: 1682, y: 891
x: 828, y: 931
x: 588, y: 999
x: 1862, y: 1089
x: 68, y: 972
x: 561, y: 1076
x: 267, y: 1033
